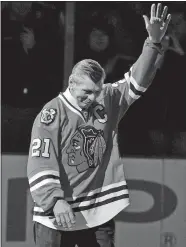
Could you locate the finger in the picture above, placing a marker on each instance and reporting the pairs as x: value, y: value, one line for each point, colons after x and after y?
x: 23, y: 39
x: 158, y: 11
x: 25, y: 49
x: 67, y: 220
x: 153, y: 8
x: 58, y: 220
x: 163, y: 16
x: 167, y: 21
x: 63, y: 221
x: 146, y: 19
x: 26, y: 29
x: 72, y: 218
x: 25, y: 35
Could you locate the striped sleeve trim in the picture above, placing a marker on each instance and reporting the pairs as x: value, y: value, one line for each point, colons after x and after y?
x: 44, y: 182
x: 43, y: 178
x: 38, y: 209
x: 101, y: 203
x: 101, y: 190
x: 135, y: 91
x: 133, y: 95
x: 88, y: 207
x: 134, y: 83
x: 114, y: 193
x: 127, y: 78
x: 43, y: 173
x: 103, y: 193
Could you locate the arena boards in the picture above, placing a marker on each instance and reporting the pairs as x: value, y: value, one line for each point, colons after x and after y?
x: 157, y: 195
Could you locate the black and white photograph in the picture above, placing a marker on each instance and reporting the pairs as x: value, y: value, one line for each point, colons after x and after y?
x: 93, y: 124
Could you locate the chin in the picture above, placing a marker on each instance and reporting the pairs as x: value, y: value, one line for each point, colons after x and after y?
x: 86, y: 105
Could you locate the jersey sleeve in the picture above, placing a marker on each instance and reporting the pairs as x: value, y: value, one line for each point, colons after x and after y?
x: 136, y: 80
x: 43, y: 167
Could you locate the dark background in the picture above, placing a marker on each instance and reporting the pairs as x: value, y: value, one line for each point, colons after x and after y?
x: 155, y: 125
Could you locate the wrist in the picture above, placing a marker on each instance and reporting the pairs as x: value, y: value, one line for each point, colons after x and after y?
x: 154, y: 41
x: 156, y: 46
x: 59, y: 199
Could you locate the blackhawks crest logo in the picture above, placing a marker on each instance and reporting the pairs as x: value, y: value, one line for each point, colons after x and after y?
x: 48, y: 115
x: 86, y: 148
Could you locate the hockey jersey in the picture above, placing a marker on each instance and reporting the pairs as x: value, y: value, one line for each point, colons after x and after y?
x: 74, y: 154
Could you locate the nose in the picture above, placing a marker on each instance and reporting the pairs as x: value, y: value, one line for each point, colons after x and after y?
x: 92, y: 97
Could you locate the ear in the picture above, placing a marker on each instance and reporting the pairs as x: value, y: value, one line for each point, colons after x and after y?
x: 70, y: 82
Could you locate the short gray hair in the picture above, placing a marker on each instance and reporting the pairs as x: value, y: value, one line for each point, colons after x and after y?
x: 90, y: 68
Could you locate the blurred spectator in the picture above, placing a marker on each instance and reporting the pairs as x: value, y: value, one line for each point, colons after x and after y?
x: 173, y: 75
x: 175, y: 35
x: 170, y: 85
x: 32, y: 52
x: 138, y: 7
x: 105, y: 40
x: 32, y: 66
x: 178, y: 24
x: 32, y: 69
x: 165, y: 107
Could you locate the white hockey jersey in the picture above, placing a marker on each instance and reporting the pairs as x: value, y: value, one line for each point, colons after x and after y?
x: 75, y: 155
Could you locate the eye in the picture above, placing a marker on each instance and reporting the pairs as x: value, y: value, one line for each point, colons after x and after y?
x: 88, y: 91
x: 98, y: 92
x: 76, y: 146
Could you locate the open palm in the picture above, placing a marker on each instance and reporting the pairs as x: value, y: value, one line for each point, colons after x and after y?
x: 158, y: 23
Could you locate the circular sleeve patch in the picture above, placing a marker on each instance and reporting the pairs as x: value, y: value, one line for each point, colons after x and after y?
x: 48, y: 116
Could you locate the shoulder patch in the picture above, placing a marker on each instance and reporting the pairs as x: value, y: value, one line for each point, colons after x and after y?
x: 48, y: 115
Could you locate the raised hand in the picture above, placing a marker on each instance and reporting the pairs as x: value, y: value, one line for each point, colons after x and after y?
x: 158, y: 23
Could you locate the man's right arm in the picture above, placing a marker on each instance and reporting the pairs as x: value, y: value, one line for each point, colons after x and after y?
x: 43, y: 168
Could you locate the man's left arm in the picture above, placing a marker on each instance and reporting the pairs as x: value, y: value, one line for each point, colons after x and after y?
x: 141, y: 74
x: 143, y: 71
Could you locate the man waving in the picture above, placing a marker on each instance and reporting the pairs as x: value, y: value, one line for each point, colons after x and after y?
x: 75, y: 173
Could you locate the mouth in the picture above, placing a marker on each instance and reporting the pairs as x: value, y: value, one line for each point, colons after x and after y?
x: 88, y: 103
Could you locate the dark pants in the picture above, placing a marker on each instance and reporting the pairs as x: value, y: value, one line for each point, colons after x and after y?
x: 101, y: 236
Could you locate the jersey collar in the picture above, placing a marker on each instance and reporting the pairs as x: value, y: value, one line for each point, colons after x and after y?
x: 71, y: 99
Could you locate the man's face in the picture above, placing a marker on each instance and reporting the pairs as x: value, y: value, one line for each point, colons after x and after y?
x: 85, y: 91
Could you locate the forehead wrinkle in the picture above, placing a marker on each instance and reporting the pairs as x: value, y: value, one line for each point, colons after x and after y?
x: 78, y: 77
x: 86, y: 83
x: 94, y: 88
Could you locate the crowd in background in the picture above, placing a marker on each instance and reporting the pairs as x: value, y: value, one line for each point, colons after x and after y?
x: 32, y: 53
x: 112, y: 33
